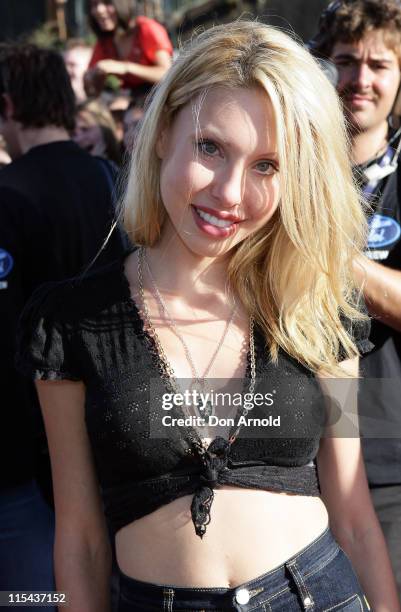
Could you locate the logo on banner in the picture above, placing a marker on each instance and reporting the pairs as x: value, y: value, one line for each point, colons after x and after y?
x: 6, y: 263
x: 383, y: 231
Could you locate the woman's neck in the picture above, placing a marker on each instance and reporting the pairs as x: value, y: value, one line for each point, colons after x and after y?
x: 121, y: 35
x: 185, y: 273
x: 123, y: 43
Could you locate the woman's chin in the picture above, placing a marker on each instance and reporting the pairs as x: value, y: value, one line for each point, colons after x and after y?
x: 209, y: 248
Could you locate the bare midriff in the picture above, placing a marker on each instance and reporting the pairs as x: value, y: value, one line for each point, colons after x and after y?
x: 251, y: 532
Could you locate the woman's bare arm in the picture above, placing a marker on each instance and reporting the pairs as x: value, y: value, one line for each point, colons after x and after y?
x: 346, y: 494
x: 82, y: 552
x: 382, y: 290
x: 94, y: 77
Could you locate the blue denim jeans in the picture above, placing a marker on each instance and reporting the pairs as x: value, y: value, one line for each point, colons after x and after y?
x: 319, y: 578
x: 26, y: 542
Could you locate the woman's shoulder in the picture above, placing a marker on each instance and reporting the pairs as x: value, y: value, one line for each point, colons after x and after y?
x: 146, y: 25
x: 76, y: 298
x: 142, y: 20
x: 55, y: 313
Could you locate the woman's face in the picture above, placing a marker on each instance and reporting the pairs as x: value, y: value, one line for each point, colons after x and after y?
x: 104, y: 14
x: 88, y: 134
x: 219, y: 174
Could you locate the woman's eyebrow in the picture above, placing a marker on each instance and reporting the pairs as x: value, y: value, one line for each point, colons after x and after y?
x: 207, y: 132
x: 211, y: 132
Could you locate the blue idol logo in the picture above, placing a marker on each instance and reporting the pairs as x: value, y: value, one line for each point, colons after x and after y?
x: 6, y: 263
x: 383, y: 231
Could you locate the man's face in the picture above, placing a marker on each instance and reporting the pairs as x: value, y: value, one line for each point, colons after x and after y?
x: 369, y: 77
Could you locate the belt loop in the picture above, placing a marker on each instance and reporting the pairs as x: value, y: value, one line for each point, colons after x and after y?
x: 306, y: 597
x: 168, y: 597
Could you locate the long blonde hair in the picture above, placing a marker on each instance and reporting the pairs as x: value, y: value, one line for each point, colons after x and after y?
x: 294, y: 275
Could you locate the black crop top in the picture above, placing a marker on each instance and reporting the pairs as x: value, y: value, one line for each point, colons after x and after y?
x: 90, y: 329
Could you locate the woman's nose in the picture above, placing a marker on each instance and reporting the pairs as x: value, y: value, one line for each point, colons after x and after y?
x: 228, y: 186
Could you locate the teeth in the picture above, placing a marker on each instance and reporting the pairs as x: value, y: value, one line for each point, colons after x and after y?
x: 213, y: 220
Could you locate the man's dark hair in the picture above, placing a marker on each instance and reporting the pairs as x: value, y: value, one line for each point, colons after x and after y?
x: 349, y: 20
x: 38, y: 84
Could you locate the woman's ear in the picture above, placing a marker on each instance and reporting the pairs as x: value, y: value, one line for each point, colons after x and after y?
x: 162, y: 143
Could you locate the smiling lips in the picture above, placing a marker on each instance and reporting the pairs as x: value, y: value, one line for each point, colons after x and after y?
x: 214, y: 223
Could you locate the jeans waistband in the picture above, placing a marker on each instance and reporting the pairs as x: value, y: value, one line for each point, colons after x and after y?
x: 306, y: 562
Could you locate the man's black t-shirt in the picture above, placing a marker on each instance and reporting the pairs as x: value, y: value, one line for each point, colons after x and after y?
x: 380, y: 392
x: 55, y: 213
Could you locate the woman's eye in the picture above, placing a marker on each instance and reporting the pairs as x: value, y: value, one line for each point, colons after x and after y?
x: 266, y: 167
x: 207, y: 147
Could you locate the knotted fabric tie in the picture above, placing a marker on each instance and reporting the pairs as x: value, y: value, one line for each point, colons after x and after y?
x: 215, y: 460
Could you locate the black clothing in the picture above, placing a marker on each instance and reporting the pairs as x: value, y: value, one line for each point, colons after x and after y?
x: 55, y: 212
x: 387, y: 503
x: 380, y: 390
x: 91, y: 330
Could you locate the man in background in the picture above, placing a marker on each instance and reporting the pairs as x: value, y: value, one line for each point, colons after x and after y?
x: 363, y: 39
x: 55, y: 213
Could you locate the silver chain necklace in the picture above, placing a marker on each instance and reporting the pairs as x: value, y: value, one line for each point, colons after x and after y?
x: 169, y: 369
x: 173, y: 325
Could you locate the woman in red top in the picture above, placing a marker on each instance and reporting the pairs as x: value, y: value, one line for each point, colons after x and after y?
x: 134, y: 48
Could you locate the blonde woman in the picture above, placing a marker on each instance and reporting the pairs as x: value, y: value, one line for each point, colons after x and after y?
x: 241, y: 199
x: 96, y: 131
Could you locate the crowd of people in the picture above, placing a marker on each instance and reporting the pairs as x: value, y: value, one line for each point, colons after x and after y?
x: 254, y: 250
x: 63, y: 143
x: 112, y: 79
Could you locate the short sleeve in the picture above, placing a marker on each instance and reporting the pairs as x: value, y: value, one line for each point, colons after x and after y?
x: 45, y: 348
x: 153, y: 37
x: 358, y: 330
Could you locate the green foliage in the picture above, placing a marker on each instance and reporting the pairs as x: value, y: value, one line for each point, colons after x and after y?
x: 46, y: 36
x: 112, y: 82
